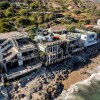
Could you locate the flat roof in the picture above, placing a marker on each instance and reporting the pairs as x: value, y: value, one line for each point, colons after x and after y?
x: 84, y: 31
x: 59, y: 27
x: 11, y: 34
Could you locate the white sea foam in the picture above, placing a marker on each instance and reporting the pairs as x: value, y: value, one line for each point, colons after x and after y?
x: 78, y: 90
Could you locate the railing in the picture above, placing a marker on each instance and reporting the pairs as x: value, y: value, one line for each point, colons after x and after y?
x: 77, y: 50
x: 52, y: 43
x: 27, y: 57
x: 26, y: 47
x: 57, y: 60
x: 29, y: 69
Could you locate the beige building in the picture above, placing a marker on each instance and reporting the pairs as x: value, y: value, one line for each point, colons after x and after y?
x: 18, y: 55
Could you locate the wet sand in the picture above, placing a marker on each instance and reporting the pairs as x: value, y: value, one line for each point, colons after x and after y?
x: 81, y: 74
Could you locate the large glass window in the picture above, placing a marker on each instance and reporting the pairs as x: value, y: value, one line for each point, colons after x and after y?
x: 92, y: 36
x: 49, y: 49
x: 25, y: 54
x: 55, y: 48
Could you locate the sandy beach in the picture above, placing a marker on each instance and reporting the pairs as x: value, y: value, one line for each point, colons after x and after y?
x: 82, y: 73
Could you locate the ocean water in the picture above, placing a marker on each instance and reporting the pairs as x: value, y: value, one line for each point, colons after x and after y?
x: 88, y: 89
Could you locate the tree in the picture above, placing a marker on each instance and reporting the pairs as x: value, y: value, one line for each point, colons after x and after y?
x: 28, y: 1
x: 4, y: 5
x: 87, y: 21
x: 77, y: 11
x: 23, y: 12
x: 48, y: 17
x: 68, y: 16
x: 42, y: 55
x: 71, y: 28
x: 34, y: 5
x: 10, y: 12
x: 97, y: 12
x: 24, y: 22
x: 2, y: 15
x: 31, y: 35
x: 6, y: 27
x: 63, y: 21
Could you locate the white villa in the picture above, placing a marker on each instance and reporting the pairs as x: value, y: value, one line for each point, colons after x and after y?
x: 88, y: 38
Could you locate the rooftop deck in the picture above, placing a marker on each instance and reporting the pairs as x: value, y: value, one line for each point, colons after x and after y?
x: 52, y: 42
x: 22, y: 42
x: 12, y: 34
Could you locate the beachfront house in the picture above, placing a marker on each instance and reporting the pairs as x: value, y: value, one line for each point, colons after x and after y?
x: 88, y: 38
x: 58, y: 47
x: 18, y: 55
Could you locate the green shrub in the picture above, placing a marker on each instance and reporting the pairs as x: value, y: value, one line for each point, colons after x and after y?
x: 6, y: 27
x: 71, y: 28
x: 34, y: 5
x: 4, y: 5
x: 24, y: 22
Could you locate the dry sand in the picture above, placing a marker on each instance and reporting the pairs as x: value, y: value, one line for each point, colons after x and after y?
x: 80, y: 74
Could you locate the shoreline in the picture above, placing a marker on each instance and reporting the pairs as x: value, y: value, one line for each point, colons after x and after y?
x: 82, y: 73
x: 49, y: 83
x: 82, y: 90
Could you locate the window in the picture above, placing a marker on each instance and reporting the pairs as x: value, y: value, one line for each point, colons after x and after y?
x: 64, y: 32
x: 53, y: 57
x: 49, y: 49
x: 72, y: 42
x: 54, y: 48
x: 25, y: 54
x: 92, y: 36
x: 30, y: 52
x: 84, y: 37
x: 9, y: 42
x: 59, y: 32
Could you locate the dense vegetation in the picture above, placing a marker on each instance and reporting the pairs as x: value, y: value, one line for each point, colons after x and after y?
x: 15, y: 15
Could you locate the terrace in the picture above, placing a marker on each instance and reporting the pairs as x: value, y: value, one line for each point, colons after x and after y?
x: 53, y: 42
x: 23, y: 43
x: 23, y: 70
x: 68, y: 38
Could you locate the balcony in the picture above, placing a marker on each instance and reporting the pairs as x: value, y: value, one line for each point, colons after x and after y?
x: 27, y: 57
x: 28, y: 68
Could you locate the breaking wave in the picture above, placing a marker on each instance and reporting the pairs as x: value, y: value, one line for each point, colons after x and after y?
x: 88, y: 89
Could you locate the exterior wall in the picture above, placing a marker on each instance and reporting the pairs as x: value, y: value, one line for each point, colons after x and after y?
x: 54, y: 53
x: 20, y: 63
x: 98, y: 22
x: 57, y: 31
x: 6, y: 47
x: 1, y: 55
x: 19, y: 55
x: 89, y: 41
